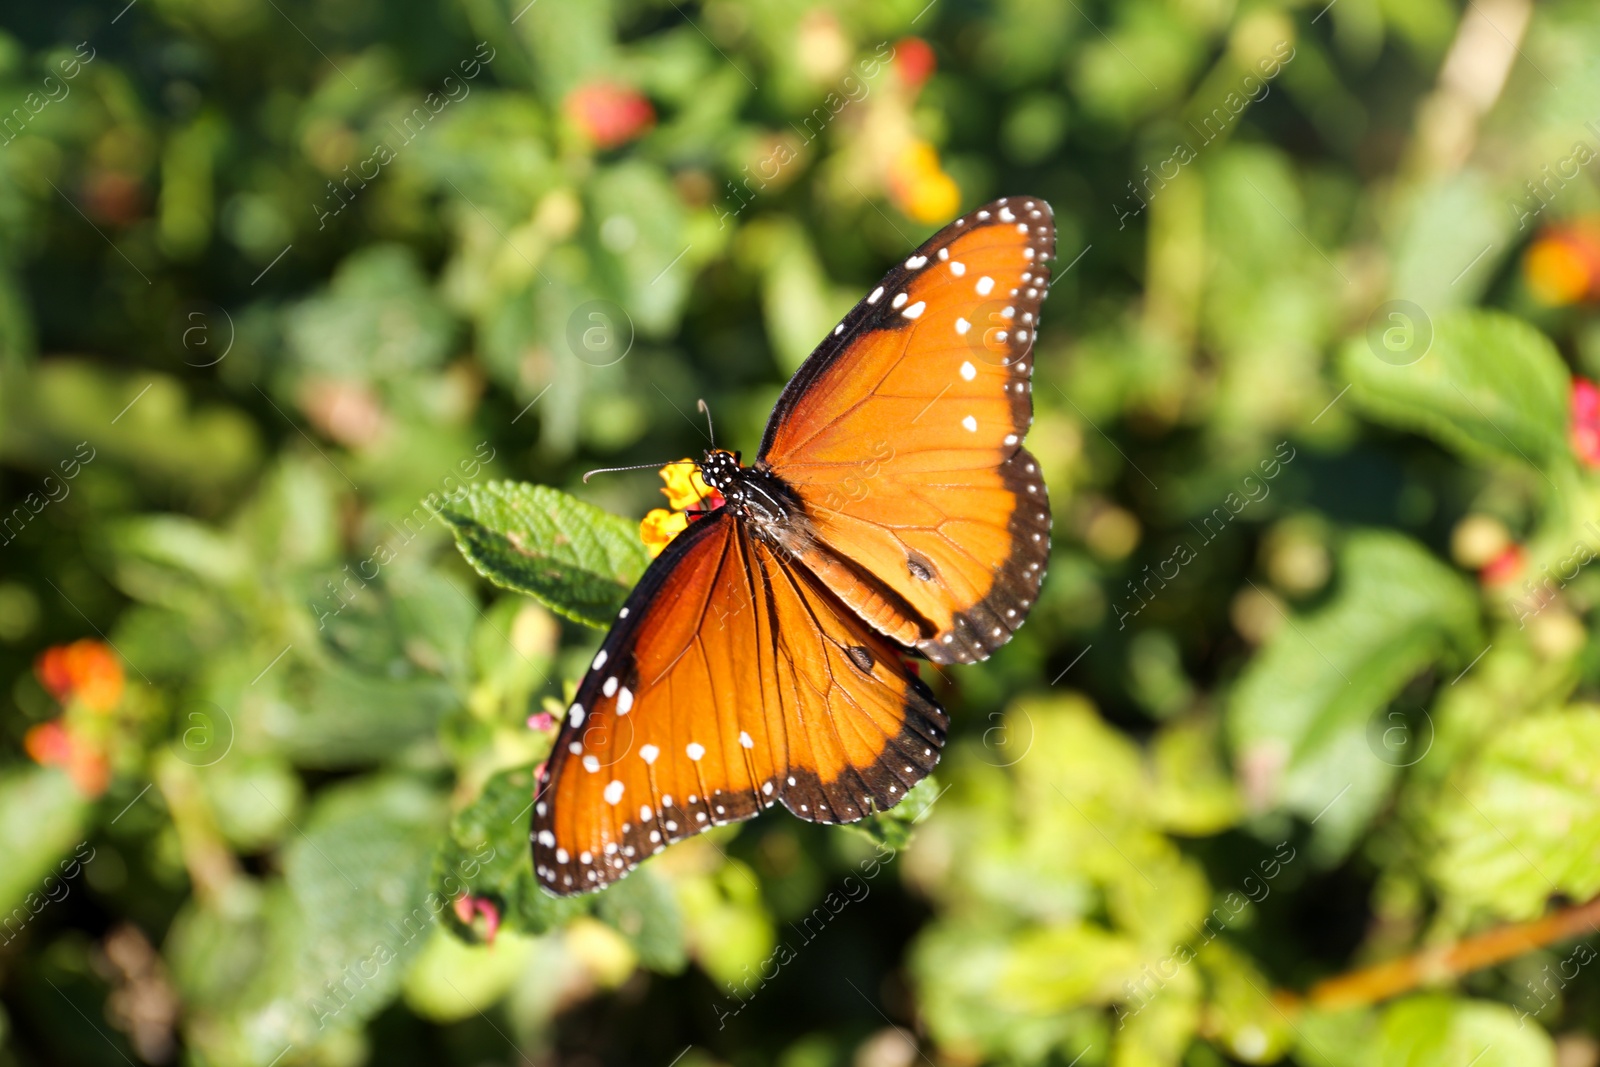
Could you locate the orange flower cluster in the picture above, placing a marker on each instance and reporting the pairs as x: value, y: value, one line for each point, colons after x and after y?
x: 689, y: 497
x: 88, y: 680
x: 52, y: 744
x: 85, y: 670
x: 85, y: 677
x: 610, y: 114
x: 1562, y: 266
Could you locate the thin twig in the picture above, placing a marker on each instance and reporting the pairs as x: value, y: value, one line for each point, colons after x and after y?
x: 1446, y: 963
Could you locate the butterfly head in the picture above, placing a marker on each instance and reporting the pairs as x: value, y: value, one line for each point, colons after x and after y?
x: 720, y: 468
x: 752, y: 492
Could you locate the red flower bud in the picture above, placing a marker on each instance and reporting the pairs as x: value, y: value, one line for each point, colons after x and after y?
x: 1586, y: 421
x: 914, y: 62
x: 610, y: 114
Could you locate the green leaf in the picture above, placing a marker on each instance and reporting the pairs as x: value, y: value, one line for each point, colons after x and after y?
x: 487, y: 855
x: 1247, y: 1023
x: 796, y: 300
x: 332, y: 716
x: 642, y: 908
x: 378, y: 319
x: 1490, y: 386
x: 1424, y: 1031
x: 893, y: 828
x: 358, y: 877
x: 1524, y: 822
x: 1300, y: 711
x: 452, y: 980
x: 41, y: 817
x: 570, y: 556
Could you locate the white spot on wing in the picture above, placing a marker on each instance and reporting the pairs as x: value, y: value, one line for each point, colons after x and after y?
x: 613, y: 792
x: 695, y: 750
x: 985, y: 285
x: 648, y: 753
x: 968, y: 371
x: 915, y: 310
x: 970, y: 423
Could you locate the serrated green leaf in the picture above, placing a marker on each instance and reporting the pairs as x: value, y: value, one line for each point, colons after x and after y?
x: 1525, y: 820
x: 1301, y: 708
x: 1490, y: 386
x: 358, y: 875
x: 570, y: 556
x: 333, y: 937
x: 488, y: 856
x: 893, y: 828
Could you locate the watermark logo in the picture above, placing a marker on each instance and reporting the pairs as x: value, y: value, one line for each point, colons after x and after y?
x: 1399, y: 333
x: 205, y: 333
x: 1400, y: 738
x: 600, y: 333
x: 207, y: 734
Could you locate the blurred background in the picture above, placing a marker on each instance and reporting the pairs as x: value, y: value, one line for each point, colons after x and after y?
x: 1309, y: 686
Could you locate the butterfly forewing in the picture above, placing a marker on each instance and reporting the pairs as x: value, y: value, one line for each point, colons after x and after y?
x: 760, y: 660
x: 732, y: 681
x: 901, y: 435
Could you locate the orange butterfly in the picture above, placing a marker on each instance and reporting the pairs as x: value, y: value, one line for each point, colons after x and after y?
x: 890, y: 510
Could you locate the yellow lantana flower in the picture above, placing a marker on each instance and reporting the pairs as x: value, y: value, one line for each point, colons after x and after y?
x: 685, y: 490
x: 659, y: 527
x: 685, y: 487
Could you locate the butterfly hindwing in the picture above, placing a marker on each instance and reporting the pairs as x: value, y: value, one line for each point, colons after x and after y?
x: 901, y: 436
x: 733, y: 680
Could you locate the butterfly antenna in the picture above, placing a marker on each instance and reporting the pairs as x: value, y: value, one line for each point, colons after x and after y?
x: 711, y: 433
x: 635, y: 467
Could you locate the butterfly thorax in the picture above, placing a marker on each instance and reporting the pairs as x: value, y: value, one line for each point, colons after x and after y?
x: 754, y: 493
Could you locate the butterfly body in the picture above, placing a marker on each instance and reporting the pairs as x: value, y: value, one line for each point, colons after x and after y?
x: 891, y: 511
x: 754, y: 493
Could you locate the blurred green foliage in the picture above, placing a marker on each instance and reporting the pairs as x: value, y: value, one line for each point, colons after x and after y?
x: 294, y: 296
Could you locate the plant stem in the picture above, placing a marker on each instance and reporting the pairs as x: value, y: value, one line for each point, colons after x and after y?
x: 1446, y: 963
